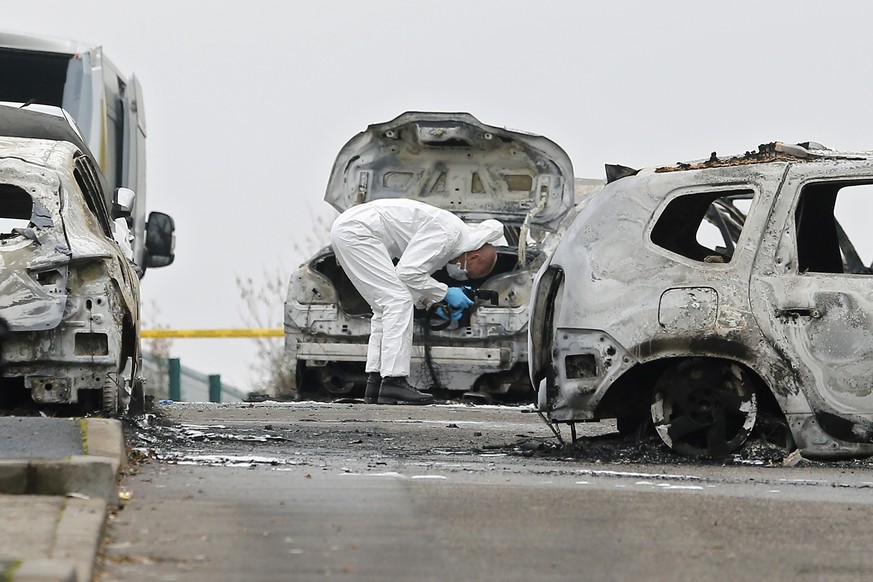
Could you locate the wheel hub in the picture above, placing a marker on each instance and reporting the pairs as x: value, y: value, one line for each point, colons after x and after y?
x: 704, y: 408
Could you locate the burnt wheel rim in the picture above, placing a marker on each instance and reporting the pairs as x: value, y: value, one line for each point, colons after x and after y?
x: 704, y: 409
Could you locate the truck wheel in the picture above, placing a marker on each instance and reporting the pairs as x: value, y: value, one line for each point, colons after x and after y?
x: 704, y: 408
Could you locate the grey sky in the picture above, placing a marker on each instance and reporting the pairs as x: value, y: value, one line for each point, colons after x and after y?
x: 248, y: 103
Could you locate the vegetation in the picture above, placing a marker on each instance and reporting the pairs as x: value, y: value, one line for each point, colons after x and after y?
x: 263, y: 301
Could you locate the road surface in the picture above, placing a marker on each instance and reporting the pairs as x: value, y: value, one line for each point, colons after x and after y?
x: 309, y: 491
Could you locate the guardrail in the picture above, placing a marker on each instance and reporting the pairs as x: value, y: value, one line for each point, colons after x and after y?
x: 173, y: 366
x: 169, y: 379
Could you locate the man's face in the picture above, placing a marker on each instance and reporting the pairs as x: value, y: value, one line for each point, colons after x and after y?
x: 480, y: 262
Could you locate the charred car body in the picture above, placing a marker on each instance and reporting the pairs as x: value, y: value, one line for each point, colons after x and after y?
x: 72, y: 311
x: 453, y: 161
x: 712, y: 296
x: 68, y: 291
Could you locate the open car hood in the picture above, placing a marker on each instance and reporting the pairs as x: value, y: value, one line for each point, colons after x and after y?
x: 455, y: 162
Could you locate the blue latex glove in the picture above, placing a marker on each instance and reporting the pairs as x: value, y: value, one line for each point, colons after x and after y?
x: 457, y: 300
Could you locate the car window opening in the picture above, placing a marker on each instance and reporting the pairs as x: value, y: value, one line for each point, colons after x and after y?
x: 703, y: 227
x: 832, y: 233
x: 16, y: 208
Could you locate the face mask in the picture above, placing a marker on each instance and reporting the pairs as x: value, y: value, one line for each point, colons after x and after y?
x: 457, y: 272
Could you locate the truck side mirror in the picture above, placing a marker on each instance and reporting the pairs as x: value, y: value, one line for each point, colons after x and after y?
x: 160, y: 240
x: 122, y: 203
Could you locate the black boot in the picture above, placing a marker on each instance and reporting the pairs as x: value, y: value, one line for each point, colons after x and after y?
x: 397, y: 390
x: 371, y: 394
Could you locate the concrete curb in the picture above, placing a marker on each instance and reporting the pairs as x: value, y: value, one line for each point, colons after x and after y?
x: 93, y: 474
x: 104, y: 438
x: 89, y: 486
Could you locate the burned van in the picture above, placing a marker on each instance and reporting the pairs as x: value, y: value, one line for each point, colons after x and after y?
x: 452, y: 161
x: 710, y: 298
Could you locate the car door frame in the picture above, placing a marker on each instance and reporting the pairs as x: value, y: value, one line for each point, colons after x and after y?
x: 801, y: 313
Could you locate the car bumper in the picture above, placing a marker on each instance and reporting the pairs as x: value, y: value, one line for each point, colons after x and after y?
x: 498, y: 358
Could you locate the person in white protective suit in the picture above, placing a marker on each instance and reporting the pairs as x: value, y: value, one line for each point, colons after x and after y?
x: 423, y: 238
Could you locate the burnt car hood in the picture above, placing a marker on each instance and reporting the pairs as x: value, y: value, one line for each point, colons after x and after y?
x: 455, y: 162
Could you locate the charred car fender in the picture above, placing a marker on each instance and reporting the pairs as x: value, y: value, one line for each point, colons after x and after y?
x: 547, y: 288
x: 587, y: 363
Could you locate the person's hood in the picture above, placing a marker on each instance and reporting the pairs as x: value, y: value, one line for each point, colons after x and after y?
x: 487, y: 231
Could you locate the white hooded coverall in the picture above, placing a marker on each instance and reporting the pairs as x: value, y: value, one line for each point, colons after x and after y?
x: 424, y: 238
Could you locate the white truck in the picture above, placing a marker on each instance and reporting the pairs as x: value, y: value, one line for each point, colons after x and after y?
x: 107, y: 107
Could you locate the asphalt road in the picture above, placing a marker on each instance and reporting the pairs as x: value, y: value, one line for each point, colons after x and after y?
x: 305, y: 491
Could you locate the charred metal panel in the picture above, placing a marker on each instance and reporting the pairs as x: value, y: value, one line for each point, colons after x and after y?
x: 453, y: 161
x: 33, y: 260
x: 66, y: 289
x: 765, y: 314
x: 51, y: 389
x: 327, y: 323
x: 689, y: 308
x: 26, y: 304
x: 819, y: 315
x: 816, y: 443
x: 579, y: 393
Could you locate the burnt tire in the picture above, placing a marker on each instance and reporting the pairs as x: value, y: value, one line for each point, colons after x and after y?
x: 704, y: 408
x: 137, y: 397
x: 116, y: 399
x: 111, y: 395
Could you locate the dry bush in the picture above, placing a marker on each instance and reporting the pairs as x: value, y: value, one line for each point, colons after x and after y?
x: 263, y: 301
x: 159, y: 348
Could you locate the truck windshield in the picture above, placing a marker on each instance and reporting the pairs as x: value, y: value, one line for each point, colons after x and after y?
x: 39, y: 77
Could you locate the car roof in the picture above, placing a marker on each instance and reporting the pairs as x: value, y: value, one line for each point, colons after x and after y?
x: 48, y: 123
x: 41, y: 123
x: 775, y: 151
x: 766, y: 153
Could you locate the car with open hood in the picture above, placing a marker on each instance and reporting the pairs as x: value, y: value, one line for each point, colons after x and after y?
x: 69, y: 290
x: 714, y: 298
x: 478, y: 172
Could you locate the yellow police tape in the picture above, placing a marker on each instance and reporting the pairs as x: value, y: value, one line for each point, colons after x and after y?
x: 182, y: 333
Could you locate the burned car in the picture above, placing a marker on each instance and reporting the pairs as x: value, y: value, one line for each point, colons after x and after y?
x: 69, y: 292
x: 452, y: 161
x: 712, y: 297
